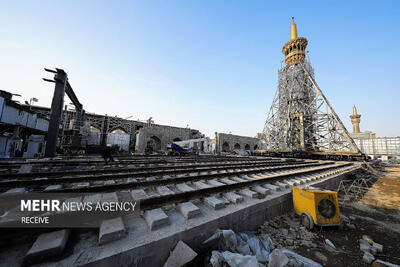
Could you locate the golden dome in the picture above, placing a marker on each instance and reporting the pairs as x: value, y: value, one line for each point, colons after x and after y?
x: 294, y: 49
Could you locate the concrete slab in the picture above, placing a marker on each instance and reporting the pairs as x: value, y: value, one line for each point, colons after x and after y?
x: 214, y: 202
x: 202, y: 185
x: 237, y: 179
x: 93, y: 198
x: 156, y: 219
x: 109, y: 197
x: 228, y: 181
x: 81, y: 185
x: 282, y: 185
x: 301, y: 180
x: 53, y: 187
x: 215, y: 183
x: 73, y: 200
x: 233, y: 198
x: 111, y: 230
x: 272, y: 187
x: 138, y: 194
x: 47, y: 246
x: 184, y: 188
x: 164, y: 191
x: 247, y: 178
x: 25, y: 168
x: 249, y: 193
x: 189, y: 210
x: 180, y: 256
x: 19, y: 190
x: 262, y: 190
x: 291, y: 183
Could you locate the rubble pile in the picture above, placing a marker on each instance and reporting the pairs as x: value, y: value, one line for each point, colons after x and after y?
x: 247, y: 249
x: 370, y: 248
x: 287, y: 231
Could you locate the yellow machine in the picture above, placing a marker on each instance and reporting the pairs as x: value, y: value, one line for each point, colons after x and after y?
x: 316, y: 206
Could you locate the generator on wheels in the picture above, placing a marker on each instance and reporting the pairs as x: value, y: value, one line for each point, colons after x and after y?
x: 316, y: 206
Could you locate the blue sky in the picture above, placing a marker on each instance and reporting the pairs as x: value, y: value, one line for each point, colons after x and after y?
x: 209, y: 64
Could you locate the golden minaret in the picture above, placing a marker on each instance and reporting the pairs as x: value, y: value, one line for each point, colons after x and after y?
x: 355, y: 120
x: 294, y: 49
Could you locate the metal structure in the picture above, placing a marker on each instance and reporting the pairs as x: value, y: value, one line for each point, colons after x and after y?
x: 354, y: 190
x: 62, y: 86
x: 300, y: 117
x: 380, y: 146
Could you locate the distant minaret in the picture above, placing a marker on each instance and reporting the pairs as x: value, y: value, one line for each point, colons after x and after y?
x: 355, y: 120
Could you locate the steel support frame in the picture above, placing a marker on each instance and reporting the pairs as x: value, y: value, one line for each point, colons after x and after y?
x: 301, y: 118
x: 62, y: 87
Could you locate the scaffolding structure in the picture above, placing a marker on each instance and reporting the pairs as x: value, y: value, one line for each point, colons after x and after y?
x: 301, y: 118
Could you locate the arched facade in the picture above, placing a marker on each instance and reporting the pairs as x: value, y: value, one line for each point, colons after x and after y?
x: 230, y: 142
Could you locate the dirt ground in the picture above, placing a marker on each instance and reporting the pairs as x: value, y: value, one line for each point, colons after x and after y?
x: 377, y: 215
x: 385, y: 193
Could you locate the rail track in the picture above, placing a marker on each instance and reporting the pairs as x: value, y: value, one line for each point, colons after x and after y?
x: 169, y: 194
x: 98, y: 161
x: 104, y: 180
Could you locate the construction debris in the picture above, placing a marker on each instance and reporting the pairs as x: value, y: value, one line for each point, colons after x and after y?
x: 247, y: 249
x: 181, y: 255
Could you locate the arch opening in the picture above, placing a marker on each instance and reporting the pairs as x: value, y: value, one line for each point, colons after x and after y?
x: 153, y: 144
x: 94, y: 129
x: 119, y: 130
x: 247, y: 147
x: 237, y: 146
x: 225, y: 147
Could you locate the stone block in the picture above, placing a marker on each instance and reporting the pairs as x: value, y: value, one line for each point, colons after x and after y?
x: 81, y: 185
x: 93, y: 198
x: 180, y: 256
x: 138, y: 194
x: 227, y: 181
x: 368, y: 257
x: 184, y: 188
x: 249, y: 193
x: 47, y: 246
x: 202, y: 185
x: 188, y: 210
x: 109, y: 197
x: 131, y: 180
x: 290, y: 183
x: 237, y: 179
x: 25, y: 168
x: 378, y: 247
x: 282, y: 185
x: 215, y: 183
x: 164, y: 191
x: 233, y: 198
x: 19, y: 190
x: 262, y: 190
x: 109, y: 182
x: 272, y: 187
x: 53, y: 187
x: 111, y: 230
x: 156, y: 219
x: 214, y: 202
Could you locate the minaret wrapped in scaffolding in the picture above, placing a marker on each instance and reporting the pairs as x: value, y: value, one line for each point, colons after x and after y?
x: 300, y: 117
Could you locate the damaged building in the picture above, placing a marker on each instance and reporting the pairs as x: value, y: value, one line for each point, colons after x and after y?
x: 22, y: 129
